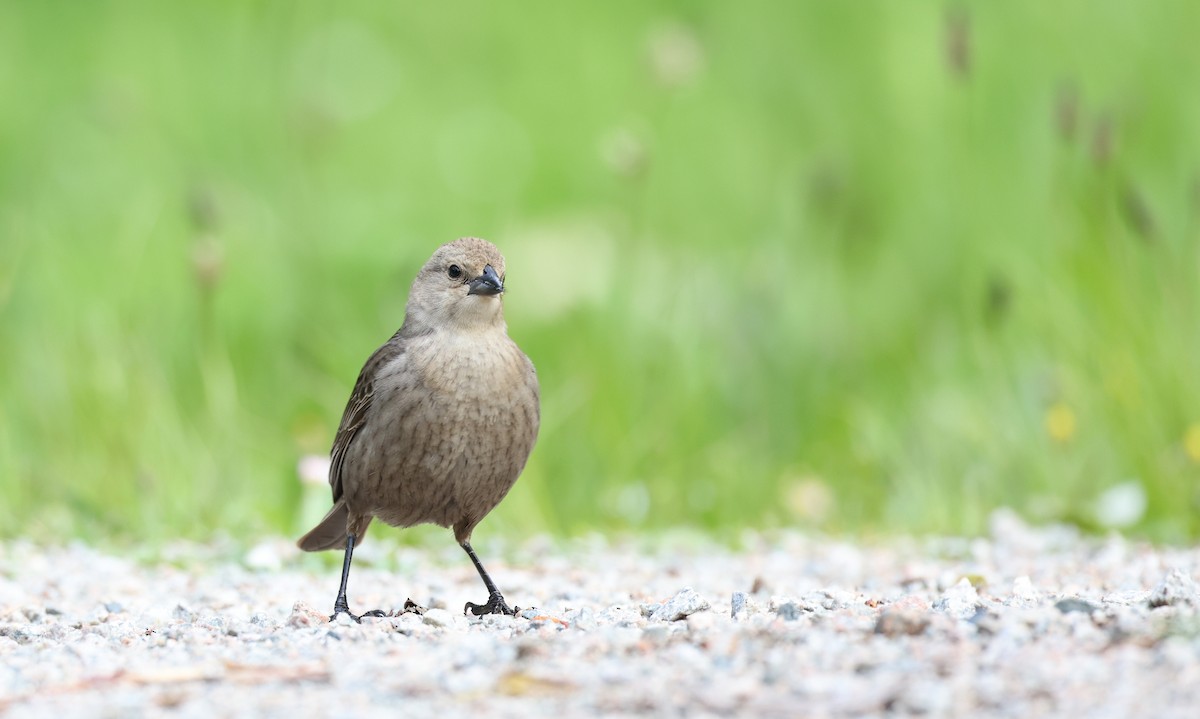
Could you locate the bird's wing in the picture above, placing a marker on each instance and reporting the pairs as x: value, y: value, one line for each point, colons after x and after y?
x: 355, y: 415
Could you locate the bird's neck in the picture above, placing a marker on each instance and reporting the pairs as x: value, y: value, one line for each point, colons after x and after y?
x: 471, y: 323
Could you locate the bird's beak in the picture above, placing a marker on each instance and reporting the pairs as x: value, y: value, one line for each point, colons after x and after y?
x: 486, y: 284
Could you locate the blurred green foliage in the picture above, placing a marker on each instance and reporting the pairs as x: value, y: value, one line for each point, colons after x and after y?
x: 864, y: 266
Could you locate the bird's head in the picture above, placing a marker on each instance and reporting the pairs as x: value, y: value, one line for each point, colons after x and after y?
x: 460, y: 286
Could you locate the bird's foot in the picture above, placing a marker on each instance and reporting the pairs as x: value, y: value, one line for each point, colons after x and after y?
x: 342, y: 607
x: 358, y: 617
x: 495, y: 605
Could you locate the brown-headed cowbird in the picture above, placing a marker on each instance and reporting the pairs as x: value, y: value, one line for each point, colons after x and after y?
x: 442, y: 418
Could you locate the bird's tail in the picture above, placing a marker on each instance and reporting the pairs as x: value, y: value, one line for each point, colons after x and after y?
x: 330, y: 533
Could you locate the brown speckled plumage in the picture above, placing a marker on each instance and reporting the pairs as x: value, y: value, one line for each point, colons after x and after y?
x: 443, y: 416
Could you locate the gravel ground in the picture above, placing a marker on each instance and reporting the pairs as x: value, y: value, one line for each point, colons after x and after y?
x: 1021, y: 623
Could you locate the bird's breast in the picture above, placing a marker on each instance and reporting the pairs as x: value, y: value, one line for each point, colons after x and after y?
x: 461, y: 395
x: 481, y: 369
x: 455, y: 421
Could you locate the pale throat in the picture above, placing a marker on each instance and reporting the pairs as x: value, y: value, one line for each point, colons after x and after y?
x: 478, y: 313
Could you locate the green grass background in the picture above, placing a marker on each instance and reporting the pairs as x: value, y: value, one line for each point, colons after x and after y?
x: 859, y: 266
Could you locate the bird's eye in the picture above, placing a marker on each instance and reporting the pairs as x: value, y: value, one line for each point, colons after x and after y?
x: 454, y: 271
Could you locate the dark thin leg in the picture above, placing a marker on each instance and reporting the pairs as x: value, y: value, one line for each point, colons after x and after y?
x: 495, y: 603
x: 340, y: 604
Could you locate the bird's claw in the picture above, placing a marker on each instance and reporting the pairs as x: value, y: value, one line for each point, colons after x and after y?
x: 356, y: 617
x: 495, y: 605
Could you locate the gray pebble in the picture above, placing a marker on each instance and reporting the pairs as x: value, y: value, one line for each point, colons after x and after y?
x: 737, y: 605
x: 959, y: 601
x: 656, y: 633
x: 584, y: 619
x: 903, y: 619
x: 685, y: 602
x: 1075, y: 604
x: 1177, y: 588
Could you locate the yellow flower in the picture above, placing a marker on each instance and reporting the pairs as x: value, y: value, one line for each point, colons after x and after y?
x: 1191, y: 442
x: 1060, y: 422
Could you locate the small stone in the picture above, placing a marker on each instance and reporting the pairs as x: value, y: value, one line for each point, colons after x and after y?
x: 685, y: 602
x: 17, y: 634
x: 657, y: 633
x: 737, y: 605
x: 585, y: 619
x: 907, y: 616
x: 1075, y: 604
x: 1024, y: 592
x: 114, y: 607
x: 497, y: 621
x: 305, y: 616
x: 788, y: 611
x: 409, y: 624
x: 1177, y: 588
x: 620, y: 616
x: 215, y: 622
x: 438, y: 618
x: 959, y: 601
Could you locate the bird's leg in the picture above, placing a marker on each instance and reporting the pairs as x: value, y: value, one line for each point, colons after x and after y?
x: 340, y: 605
x: 495, y: 603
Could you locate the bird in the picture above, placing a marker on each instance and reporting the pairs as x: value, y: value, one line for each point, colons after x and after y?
x: 441, y: 420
